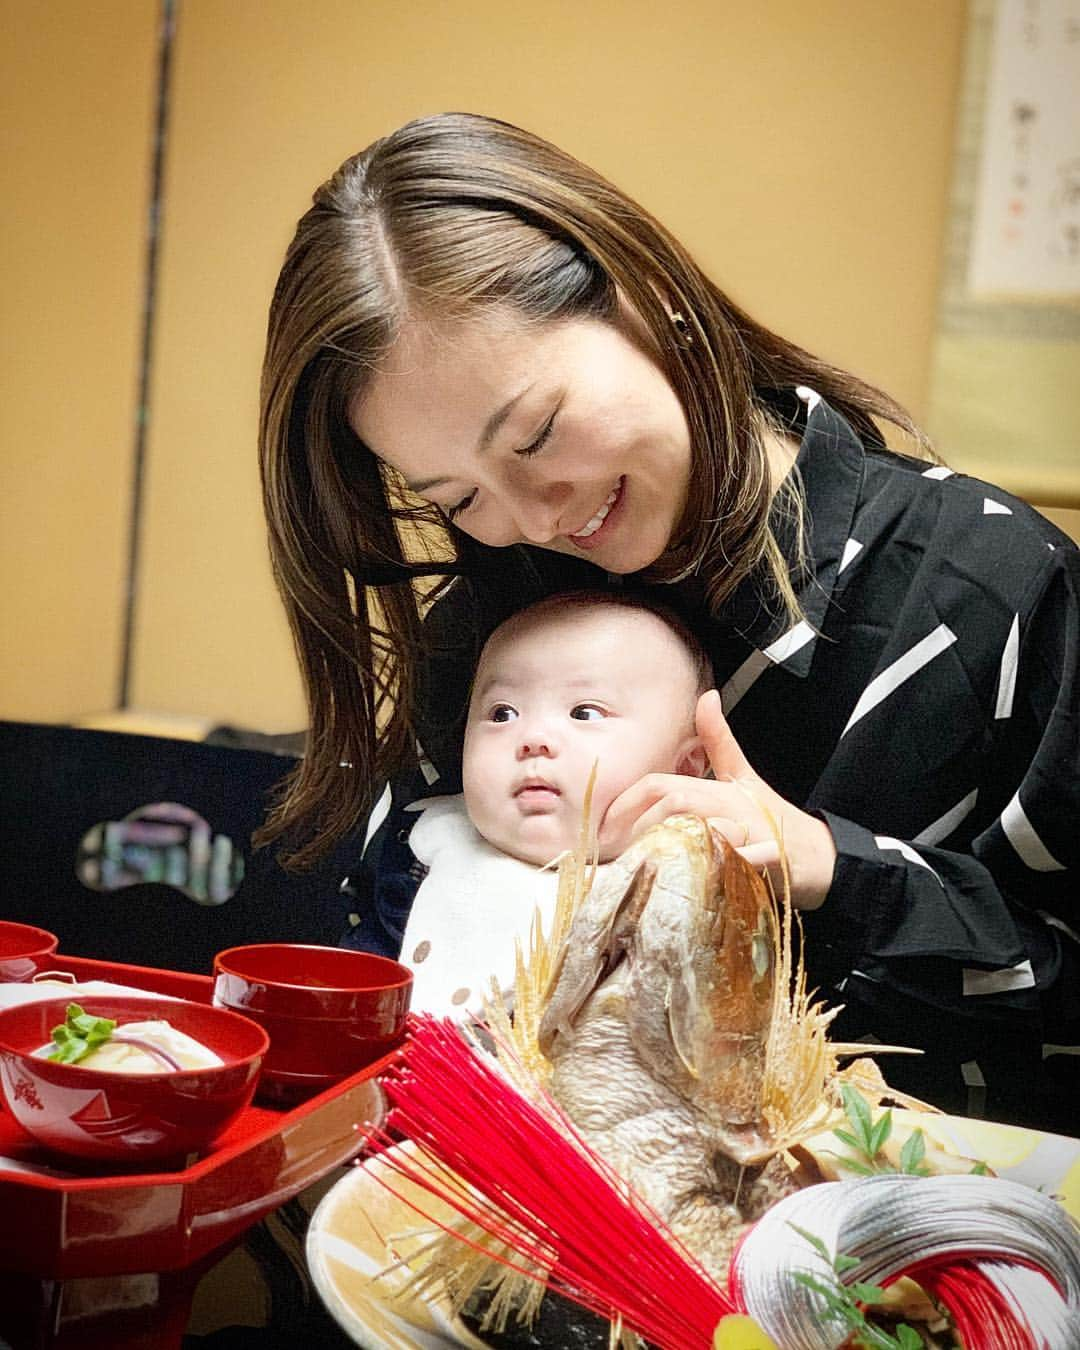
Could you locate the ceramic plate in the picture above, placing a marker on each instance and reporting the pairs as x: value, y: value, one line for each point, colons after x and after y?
x: 347, y: 1243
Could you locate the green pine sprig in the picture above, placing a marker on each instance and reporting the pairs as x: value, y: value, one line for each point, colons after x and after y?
x: 844, y: 1300
x: 867, y: 1137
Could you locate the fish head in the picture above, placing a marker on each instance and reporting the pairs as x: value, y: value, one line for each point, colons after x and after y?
x: 690, y: 930
x: 701, y: 990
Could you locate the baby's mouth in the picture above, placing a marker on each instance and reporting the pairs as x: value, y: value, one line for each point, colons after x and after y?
x: 536, y: 792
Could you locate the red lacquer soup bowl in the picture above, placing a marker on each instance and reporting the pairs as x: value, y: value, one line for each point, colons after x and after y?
x: 130, y: 1117
x: 23, y: 948
x: 329, y: 1011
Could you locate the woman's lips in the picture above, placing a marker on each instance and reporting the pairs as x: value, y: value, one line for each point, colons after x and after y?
x: 592, y: 536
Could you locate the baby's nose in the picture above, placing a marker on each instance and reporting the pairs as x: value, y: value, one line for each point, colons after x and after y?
x: 536, y: 745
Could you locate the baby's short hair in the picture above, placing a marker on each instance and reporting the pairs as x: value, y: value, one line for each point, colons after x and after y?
x: 631, y: 599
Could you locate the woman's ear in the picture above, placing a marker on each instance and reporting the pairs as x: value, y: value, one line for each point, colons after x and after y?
x: 692, y: 759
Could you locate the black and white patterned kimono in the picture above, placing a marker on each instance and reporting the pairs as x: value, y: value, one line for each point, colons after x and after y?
x: 927, y: 707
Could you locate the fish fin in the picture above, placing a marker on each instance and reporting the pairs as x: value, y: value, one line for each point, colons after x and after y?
x: 628, y: 912
x: 680, y: 1004
x: 584, y: 970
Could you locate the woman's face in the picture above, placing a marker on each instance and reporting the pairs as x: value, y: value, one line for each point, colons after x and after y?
x: 565, y: 435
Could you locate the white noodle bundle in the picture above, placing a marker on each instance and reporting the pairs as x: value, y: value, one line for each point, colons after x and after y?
x: 1015, y: 1252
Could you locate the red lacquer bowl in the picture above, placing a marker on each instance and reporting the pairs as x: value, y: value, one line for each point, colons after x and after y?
x: 22, y: 950
x: 329, y: 1011
x: 93, y: 1113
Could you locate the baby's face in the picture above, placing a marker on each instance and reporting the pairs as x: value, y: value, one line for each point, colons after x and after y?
x: 557, y: 693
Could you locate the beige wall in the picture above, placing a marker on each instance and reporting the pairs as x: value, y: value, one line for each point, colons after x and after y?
x: 1006, y: 410
x: 76, y: 97
x: 803, y: 150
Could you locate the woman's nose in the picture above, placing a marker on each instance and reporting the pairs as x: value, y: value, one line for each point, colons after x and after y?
x: 537, y: 511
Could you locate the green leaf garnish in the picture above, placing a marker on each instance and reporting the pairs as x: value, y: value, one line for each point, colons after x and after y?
x: 79, y: 1035
x: 859, y: 1168
x: 858, y: 1113
x: 880, y: 1133
x: 913, y: 1152
x: 814, y: 1241
x: 843, y: 1300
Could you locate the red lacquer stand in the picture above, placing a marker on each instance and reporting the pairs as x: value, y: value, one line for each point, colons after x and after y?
x: 110, y: 1260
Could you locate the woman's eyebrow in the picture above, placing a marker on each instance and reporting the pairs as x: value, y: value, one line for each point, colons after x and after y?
x: 491, y: 428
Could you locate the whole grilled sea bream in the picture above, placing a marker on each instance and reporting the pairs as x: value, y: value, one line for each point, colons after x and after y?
x: 658, y: 1030
x: 665, y: 1017
x: 661, y: 1036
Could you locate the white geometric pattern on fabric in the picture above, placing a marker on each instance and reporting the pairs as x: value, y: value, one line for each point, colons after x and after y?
x: 993, y: 508
x: 379, y: 813
x: 1025, y: 840
x: 939, y: 471
x: 852, y: 549
x: 757, y: 663
x: 945, y: 824
x: 1010, y: 658
x: 790, y: 642
x: 978, y: 983
x: 883, y: 841
x: 890, y: 679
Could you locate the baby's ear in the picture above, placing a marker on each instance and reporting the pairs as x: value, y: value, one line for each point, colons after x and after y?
x: 692, y: 759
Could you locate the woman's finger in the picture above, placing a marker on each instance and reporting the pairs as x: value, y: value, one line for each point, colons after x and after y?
x: 760, y: 853
x: 671, y: 805
x: 725, y: 753
x: 736, y: 832
x: 630, y: 805
x: 642, y: 806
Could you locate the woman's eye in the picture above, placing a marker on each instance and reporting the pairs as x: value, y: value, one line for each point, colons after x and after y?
x: 587, y: 712
x: 502, y: 712
x: 452, y: 512
x: 540, y: 441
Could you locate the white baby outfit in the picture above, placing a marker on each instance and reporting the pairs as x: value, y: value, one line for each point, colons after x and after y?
x: 468, y: 910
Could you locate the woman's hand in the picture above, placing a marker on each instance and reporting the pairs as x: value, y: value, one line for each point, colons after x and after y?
x: 738, y: 803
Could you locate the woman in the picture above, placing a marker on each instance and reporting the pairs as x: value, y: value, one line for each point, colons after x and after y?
x: 478, y: 339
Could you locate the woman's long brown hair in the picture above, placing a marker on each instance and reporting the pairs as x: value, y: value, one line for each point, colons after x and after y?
x: 445, y: 216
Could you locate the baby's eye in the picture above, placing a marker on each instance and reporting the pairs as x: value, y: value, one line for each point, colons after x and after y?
x: 502, y: 712
x: 587, y: 712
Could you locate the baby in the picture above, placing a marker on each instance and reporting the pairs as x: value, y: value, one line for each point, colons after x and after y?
x: 572, y: 682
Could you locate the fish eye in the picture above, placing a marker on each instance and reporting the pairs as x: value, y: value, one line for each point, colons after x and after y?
x: 502, y: 712
x: 587, y: 712
x: 760, y: 955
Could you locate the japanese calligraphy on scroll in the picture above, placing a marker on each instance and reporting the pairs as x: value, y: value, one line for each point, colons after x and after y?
x: 1026, y: 228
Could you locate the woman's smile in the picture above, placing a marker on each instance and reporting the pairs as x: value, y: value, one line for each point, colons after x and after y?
x: 600, y: 525
x: 565, y: 435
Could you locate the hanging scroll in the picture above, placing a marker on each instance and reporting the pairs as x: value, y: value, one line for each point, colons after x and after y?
x: 1026, y: 228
